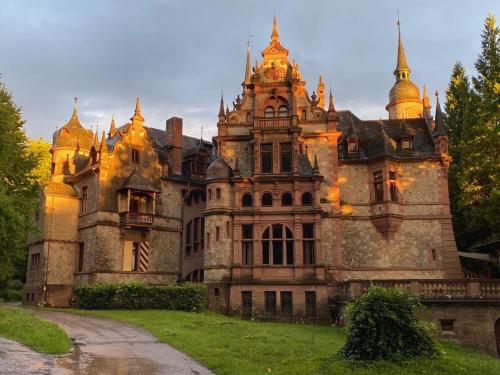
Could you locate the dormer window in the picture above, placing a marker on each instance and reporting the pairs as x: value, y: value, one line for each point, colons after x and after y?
x: 352, y: 145
x: 269, y: 112
x: 135, y: 156
x: 283, y: 111
x: 406, y: 144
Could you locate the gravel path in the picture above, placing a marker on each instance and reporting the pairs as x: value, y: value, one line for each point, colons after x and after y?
x: 101, y: 347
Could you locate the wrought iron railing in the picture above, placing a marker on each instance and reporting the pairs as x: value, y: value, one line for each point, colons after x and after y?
x: 136, y: 218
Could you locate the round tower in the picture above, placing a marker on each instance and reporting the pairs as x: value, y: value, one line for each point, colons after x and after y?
x: 218, y: 234
x: 404, y: 97
x: 69, y: 143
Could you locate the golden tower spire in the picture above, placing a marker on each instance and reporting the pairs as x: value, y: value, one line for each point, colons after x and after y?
x: 321, y: 92
x: 248, y: 67
x: 137, y: 114
x: 402, y: 70
x: 75, y: 107
x: 427, y: 102
x: 275, y: 37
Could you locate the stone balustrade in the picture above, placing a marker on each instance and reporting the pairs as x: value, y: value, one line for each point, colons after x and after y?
x: 429, y: 289
x: 275, y: 122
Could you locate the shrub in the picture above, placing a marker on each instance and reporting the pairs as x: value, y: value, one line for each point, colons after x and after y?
x: 383, y: 324
x: 135, y: 295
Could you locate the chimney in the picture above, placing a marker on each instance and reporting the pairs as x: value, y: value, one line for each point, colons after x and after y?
x: 174, y: 139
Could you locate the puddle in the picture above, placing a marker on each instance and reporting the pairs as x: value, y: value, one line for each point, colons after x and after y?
x: 83, y: 363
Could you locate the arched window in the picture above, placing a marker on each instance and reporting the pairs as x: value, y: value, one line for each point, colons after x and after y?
x: 286, y: 200
x: 307, y: 199
x: 277, y: 245
x: 269, y: 112
x: 217, y: 193
x: 195, y: 235
x: 283, y: 111
x: 247, y: 200
x: 267, y: 199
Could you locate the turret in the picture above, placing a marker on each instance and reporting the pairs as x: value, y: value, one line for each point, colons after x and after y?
x: 321, y: 92
x: 440, y: 134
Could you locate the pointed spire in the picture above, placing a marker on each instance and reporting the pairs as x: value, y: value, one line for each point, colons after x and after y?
x: 75, y: 107
x: 331, y: 104
x: 439, y: 127
x: 275, y: 37
x: 248, y: 67
x: 427, y: 103
x: 321, y: 92
x: 103, y: 140
x: 402, y: 70
x: 221, y: 108
x: 316, y: 166
x: 95, y: 143
x: 112, y: 129
x: 137, y: 114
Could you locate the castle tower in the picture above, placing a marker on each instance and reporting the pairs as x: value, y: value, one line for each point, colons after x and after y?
x: 404, y: 97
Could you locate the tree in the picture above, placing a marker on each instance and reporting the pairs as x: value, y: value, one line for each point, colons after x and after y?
x: 473, y: 120
x: 39, y: 149
x: 17, y: 187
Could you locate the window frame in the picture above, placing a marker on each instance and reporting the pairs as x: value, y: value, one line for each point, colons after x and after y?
x: 286, y: 158
x: 304, y: 194
x: 270, y: 305
x: 308, y: 245
x: 247, y: 244
x: 266, y: 158
x: 245, y: 204
x: 265, y: 195
x: 269, y: 112
x: 378, y: 186
x: 278, y: 249
x: 285, y: 204
x: 136, y: 156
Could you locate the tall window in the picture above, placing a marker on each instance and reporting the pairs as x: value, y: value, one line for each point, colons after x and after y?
x: 209, y: 194
x: 35, y: 261
x: 270, y: 302
x: 246, y: 301
x: 247, y: 200
x: 393, y: 189
x: 269, y: 112
x: 307, y: 199
x: 378, y: 186
x: 277, y: 245
x: 189, y: 243
x: 81, y: 253
x: 266, y: 151
x: 135, y: 156
x: 247, y: 244
x: 83, y: 207
x: 286, y: 303
x: 311, y: 304
x: 286, y: 200
x: 283, y: 111
x: 267, y: 199
x: 286, y: 157
x: 135, y: 257
x: 195, y: 235
x: 353, y: 145
x: 217, y: 193
x: 217, y: 233
x: 308, y: 243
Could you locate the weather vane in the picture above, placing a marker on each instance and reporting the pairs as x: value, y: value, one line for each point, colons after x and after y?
x: 248, y: 36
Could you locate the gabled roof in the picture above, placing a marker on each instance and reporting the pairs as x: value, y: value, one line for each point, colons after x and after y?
x: 136, y: 181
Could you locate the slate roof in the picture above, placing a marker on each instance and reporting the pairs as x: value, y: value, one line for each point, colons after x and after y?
x: 382, y: 137
x: 137, y: 181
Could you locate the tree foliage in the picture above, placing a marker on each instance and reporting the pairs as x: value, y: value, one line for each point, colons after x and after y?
x: 473, y: 114
x: 383, y: 324
x: 18, y: 188
x: 39, y: 149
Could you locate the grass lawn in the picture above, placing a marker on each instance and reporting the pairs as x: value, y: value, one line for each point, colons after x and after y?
x: 232, y: 346
x: 22, y: 326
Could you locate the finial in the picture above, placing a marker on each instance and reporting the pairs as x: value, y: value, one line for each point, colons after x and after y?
x: 248, y: 36
x: 275, y: 37
x: 402, y: 70
x: 437, y: 94
x: 399, y: 22
x: 137, y: 114
x: 201, y: 132
x: 75, y: 106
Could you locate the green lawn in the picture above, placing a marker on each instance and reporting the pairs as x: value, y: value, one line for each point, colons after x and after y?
x: 40, y: 335
x: 235, y: 347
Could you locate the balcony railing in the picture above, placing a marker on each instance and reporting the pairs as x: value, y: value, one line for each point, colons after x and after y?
x: 440, y: 289
x: 275, y: 122
x: 136, y: 218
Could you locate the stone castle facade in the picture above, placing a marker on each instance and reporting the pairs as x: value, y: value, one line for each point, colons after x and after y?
x: 291, y: 200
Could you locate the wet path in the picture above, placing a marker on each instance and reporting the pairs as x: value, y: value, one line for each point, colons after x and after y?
x: 102, y: 347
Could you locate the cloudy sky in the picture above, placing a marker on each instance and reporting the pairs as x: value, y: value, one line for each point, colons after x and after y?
x: 178, y: 55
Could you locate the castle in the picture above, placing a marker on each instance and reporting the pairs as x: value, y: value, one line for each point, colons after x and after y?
x: 293, y: 199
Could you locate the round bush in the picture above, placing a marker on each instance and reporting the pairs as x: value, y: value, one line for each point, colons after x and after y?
x: 383, y: 324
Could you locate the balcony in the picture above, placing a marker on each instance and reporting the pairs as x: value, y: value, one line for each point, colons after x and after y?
x: 275, y: 122
x: 136, y: 219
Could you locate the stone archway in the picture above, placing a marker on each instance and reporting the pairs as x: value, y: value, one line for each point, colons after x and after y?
x: 497, y: 335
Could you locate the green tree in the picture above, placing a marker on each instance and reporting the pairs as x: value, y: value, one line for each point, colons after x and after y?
x: 473, y: 116
x: 39, y: 149
x: 17, y: 187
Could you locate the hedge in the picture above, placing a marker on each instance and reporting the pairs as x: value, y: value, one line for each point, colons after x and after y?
x: 135, y: 295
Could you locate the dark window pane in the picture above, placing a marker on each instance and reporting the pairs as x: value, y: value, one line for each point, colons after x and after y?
x: 247, y: 255
x: 311, y: 304
x: 308, y: 246
x: 267, y: 199
x: 286, y: 199
x: 247, y: 231
x: 247, y: 200
x: 266, y: 233
x: 286, y: 157
x: 289, y: 233
x: 246, y: 300
x: 308, y: 230
x: 265, y: 252
x: 270, y: 299
x: 269, y: 112
x: 277, y: 231
x: 283, y: 111
x: 307, y: 199
x: 286, y: 303
x: 278, y: 252
x: 267, y: 158
x: 289, y: 253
